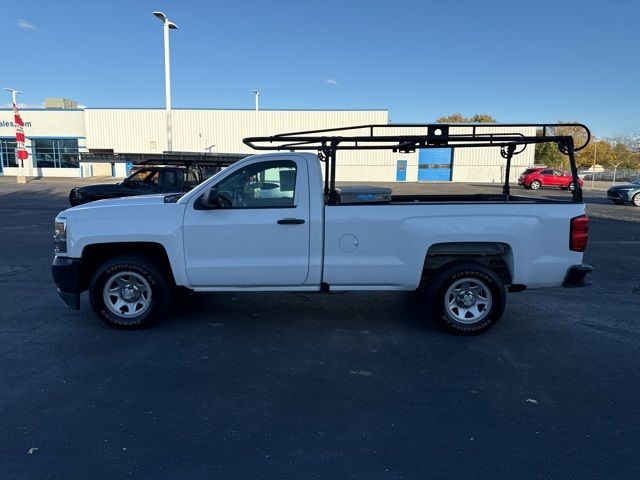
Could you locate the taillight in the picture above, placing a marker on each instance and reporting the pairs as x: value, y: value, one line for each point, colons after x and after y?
x: 579, y: 233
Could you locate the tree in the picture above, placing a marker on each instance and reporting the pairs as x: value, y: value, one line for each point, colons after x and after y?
x: 578, y: 134
x: 629, y: 140
x: 623, y: 156
x: 483, y: 118
x: 548, y: 154
x: 459, y: 118
x: 453, y: 118
x: 599, y: 152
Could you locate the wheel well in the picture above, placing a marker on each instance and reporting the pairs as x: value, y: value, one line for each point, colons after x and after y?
x: 94, y: 255
x: 496, y: 256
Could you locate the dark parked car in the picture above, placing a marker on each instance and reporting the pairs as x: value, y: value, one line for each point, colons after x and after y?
x: 534, y: 178
x: 143, y: 181
x: 627, y: 192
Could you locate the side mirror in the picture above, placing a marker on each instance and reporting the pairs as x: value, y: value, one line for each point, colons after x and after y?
x: 210, y: 200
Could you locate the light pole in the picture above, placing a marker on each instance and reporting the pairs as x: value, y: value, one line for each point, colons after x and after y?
x: 595, y: 158
x: 168, y: 25
x: 255, y: 120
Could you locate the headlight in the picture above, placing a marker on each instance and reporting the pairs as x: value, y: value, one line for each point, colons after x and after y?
x: 60, y: 235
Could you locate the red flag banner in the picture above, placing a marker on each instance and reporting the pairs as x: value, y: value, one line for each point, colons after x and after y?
x: 22, y: 151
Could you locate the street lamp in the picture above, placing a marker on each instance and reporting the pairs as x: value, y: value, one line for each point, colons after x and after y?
x: 257, y: 94
x: 168, y: 25
x: 595, y: 160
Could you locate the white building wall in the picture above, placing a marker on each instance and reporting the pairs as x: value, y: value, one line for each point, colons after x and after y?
x: 144, y: 131
x: 479, y: 164
x: 485, y: 164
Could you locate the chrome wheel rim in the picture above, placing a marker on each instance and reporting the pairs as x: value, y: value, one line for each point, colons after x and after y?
x: 636, y: 199
x: 535, y: 185
x: 468, y: 300
x: 127, y: 294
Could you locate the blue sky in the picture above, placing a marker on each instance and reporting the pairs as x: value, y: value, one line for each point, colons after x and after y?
x: 539, y: 61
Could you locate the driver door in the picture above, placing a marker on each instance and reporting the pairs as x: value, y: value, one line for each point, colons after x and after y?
x: 259, y: 235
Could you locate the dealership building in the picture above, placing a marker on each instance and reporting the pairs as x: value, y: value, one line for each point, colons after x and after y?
x: 57, y: 138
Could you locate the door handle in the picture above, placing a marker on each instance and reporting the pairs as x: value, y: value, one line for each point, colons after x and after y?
x: 291, y: 221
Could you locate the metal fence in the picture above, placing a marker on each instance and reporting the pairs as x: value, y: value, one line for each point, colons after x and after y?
x: 613, y: 175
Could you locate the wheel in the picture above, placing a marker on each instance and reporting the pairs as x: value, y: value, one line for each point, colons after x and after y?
x: 129, y: 292
x: 635, y: 200
x: 535, y: 185
x: 466, y: 298
x: 571, y: 187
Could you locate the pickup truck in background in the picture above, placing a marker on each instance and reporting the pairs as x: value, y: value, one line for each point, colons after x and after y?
x: 266, y: 224
x: 142, y: 181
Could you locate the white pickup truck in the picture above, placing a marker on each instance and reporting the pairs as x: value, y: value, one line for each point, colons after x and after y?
x: 266, y: 224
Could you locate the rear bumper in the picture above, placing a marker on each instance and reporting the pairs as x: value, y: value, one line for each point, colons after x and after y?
x: 576, y: 276
x: 66, y: 275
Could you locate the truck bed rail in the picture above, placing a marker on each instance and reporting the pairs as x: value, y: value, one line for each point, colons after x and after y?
x: 436, y: 135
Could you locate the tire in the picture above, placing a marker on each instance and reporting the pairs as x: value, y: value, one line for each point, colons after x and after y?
x: 635, y: 200
x: 571, y: 187
x: 535, y: 185
x: 140, y: 290
x: 486, y: 295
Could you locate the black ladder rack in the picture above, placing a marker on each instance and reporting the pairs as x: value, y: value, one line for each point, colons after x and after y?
x: 436, y: 135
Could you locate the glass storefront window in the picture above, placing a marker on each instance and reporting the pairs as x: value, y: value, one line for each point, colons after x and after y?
x: 7, y: 153
x: 55, y: 152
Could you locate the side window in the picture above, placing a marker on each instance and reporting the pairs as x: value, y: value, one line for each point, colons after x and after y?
x: 170, y: 178
x: 153, y: 179
x: 139, y: 176
x: 260, y: 185
x: 546, y: 172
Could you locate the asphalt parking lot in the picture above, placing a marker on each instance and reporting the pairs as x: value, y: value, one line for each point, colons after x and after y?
x: 318, y: 386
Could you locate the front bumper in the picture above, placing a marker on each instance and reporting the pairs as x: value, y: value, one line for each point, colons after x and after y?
x: 617, y: 196
x: 576, y: 276
x: 67, y: 277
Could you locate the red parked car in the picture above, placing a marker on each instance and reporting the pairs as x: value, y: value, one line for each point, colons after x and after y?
x: 534, y: 178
